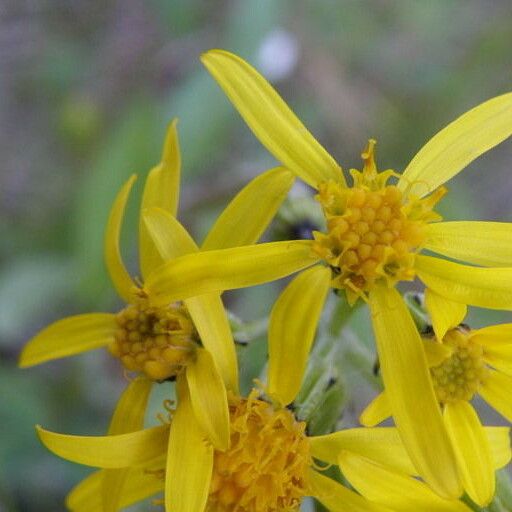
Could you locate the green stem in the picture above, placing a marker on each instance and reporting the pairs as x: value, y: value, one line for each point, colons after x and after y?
x: 338, y: 312
x: 342, y: 313
x: 244, y: 332
x: 359, y: 357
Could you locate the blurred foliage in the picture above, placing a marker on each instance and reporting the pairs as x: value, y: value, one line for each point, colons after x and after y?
x: 87, y: 88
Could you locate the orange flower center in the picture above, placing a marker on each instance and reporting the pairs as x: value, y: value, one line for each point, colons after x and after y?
x: 459, y: 376
x: 265, y: 468
x: 374, y: 230
x: 159, y: 342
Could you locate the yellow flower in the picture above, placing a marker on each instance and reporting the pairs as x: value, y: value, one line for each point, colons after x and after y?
x: 375, y: 233
x: 189, y: 340
x: 269, y: 465
x: 463, y: 363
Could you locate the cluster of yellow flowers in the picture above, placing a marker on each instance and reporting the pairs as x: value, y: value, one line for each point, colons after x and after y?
x: 219, y: 451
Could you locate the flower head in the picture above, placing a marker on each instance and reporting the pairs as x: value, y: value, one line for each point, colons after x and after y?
x: 84, y: 332
x: 463, y: 363
x: 158, y: 342
x: 267, y: 464
x: 463, y: 371
x: 374, y: 230
x: 180, y: 339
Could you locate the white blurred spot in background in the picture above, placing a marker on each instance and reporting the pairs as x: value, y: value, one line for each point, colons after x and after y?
x: 278, y: 54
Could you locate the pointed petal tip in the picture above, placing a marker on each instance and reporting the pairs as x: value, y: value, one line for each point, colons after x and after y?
x: 128, y: 184
x: 41, y: 434
x: 23, y: 362
x: 67, y: 337
x: 212, y: 52
x: 376, y: 411
x: 171, y: 144
x: 249, y: 213
x: 112, y: 254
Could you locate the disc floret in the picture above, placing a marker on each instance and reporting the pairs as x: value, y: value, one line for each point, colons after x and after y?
x: 460, y: 375
x: 266, y: 466
x: 159, y: 342
x: 374, y: 229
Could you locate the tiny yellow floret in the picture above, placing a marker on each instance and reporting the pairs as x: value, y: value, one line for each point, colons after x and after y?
x: 374, y: 230
x: 266, y: 466
x: 159, y: 342
x: 460, y: 376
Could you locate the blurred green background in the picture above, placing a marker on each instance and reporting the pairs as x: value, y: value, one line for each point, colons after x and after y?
x: 87, y: 88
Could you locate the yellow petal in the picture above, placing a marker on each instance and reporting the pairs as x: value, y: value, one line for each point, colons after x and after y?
x: 493, y: 334
x: 499, y: 357
x: 212, y: 324
x: 410, y: 393
x: 167, y: 197
x: 337, y: 498
x: 376, y: 411
x: 162, y: 186
x: 455, y: 146
x: 497, y: 343
x: 381, y: 444
x: 482, y: 243
x: 121, y: 279
x: 139, y: 485
x: 113, y: 485
x: 208, y: 398
x: 271, y: 120
x: 482, y: 287
x: 292, y: 329
x: 131, y: 407
x: 499, y: 442
x: 248, y: 215
x: 133, y: 449
x: 86, y: 494
x: 169, y: 236
x: 161, y: 190
x: 68, y: 337
x: 445, y: 313
x: 436, y: 352
x: 128, y: 417
x: 472, y: 450
x: 227, y: 269
x: 189, y: 462
x: 398, y: 492
x: 496, y: 392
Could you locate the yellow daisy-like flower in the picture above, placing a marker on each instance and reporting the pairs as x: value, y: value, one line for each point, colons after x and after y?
x: 190, y: 339
x: 464, y: 362
x: 269, y: 466
x: 376, y: 229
